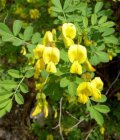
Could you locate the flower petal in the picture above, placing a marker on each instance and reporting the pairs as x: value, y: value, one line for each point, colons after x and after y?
x: 83, y: 98
x: 38, y: 51
x: 48, y: 37
x: 77, y: 53
x: 76, y: 68
x: 88, y: 66
x: 98, y: 83
x: 69, y: 30
x: 51, y: 55
x: 51, y: 67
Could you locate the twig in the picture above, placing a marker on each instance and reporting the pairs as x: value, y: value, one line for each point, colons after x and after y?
x: 76, y: 124
x: 113, y: 83
x: 59, y: 123
x: 19, y: 85
x: 6, y: 17
x: 60, y: 116
x: 72, y: 116
x: 89, y: 134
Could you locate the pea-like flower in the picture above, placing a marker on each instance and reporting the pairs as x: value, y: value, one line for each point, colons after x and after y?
x: 87, y: 89
x: 38, y: 51
x: 51, y: 57
x: 39, y: 66
x: 88, y: 66
x: 77, y: 55
x: 98, y: 83
x: 69, y: 33
x: 69, y: 30
x: 83, y: 92
x: 34, y: 13
x: 48, y: 38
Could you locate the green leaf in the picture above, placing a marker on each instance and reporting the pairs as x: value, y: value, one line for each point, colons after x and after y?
x: 67, y: 4
x: 5, y: 96
x: 98, y: 7
x: 17, y: 42
x: 4, y: 29
x: 101, y: 47
x: 111, y: 39
x: 102, y: 19
x: 64, y: 82
x: 28, y: 33
x: 56, y: 9
x: 102, y: 108
x: 17, y: 25
x: 94, y: 114
x: 57, y: 4
x: 85, y: 22
x: 8, y: 84
x: 14, y: 73
x: 24, y: 88
x: 102, y: 100
x: 4, y: 103
x: 107, y: 24
x: 103, y: 56
x: 94, y: 60
x: 36, y: 38
x: 19, y: 98
x: 94, y: 19
x: 108, y: 31
x: 8, y: 106
x: 7, y: 37
x: 72, y: 88
x: 29, y: 73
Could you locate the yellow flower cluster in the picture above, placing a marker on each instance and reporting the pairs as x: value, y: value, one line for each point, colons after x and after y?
x: 20, y: 11
x: 77, y: 54
x: 41, y: 105
x: 34, y: 13
x: 47, y: 55
x: 87, y: 89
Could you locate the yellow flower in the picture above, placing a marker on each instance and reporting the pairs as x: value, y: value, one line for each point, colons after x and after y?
x: 88, y: 66
x: 96, y: 86
x: 98, y: 83
x: 38, y: 51
x: 51, y: 55
x: 39, y: 66
x: 18, y: 10
x: 82, y: 98
x: 68, y: 41
x: 46, y: 111
x: 110, y: 55
x: 83, y: 92
x: 95, y: 92
x: 37, y: 110
x: 69, y: 30
x: 76, y: 68
x: 77, y: 53
x: 34, y: 13
x: 102, y: 130
x: 51, y: 67
x: 48, y: 38
x: 86, y: 89
x: 23, y: 51
x: 69, y: 33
